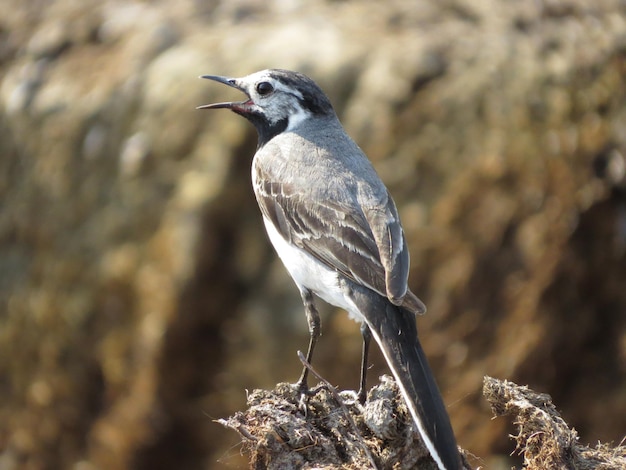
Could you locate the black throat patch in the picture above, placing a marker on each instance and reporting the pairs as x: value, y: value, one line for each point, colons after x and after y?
x: 266, y: 130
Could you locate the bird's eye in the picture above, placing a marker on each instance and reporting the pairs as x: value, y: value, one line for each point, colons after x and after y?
x: 264, y: 88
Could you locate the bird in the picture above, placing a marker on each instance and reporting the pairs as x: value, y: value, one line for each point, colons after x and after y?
x: 336, y: 228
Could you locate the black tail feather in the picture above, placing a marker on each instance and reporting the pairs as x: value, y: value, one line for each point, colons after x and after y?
x: 395, y: 332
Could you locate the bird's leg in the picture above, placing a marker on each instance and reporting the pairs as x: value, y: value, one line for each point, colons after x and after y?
x: 367, y: 337
x: 313, y: 319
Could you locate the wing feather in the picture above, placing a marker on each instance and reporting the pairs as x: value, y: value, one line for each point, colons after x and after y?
x: 365, y: 244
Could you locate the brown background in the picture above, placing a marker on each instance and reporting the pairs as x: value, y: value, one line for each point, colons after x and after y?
x: 139, y: 296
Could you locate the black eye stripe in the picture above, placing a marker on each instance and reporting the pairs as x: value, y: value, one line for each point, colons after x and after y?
x: 264, y: 88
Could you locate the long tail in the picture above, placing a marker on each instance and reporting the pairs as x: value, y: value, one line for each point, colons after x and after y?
x: 395, y: 332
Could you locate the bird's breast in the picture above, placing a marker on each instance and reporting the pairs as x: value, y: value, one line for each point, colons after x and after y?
x: 311, y: 274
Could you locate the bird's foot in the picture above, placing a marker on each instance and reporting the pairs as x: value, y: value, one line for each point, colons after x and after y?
x: 304, y: 393
x: 352, y: 398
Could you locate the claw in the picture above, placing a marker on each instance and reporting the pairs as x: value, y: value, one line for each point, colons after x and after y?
x: 351, y: 398
x: 305, y: 393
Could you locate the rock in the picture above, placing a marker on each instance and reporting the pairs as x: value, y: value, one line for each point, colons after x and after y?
x: 336, y: 431
x: 544, y: 438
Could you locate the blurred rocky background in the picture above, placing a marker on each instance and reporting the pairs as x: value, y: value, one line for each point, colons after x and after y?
x: 139, y: 296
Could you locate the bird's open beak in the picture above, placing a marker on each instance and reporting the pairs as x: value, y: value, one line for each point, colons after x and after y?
x: 231, y: 82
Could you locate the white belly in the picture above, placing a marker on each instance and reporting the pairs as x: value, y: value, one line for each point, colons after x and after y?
x: 309, y: 273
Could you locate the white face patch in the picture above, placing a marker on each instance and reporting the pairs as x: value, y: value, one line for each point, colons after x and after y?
x: 299, y: 116
x: 283, y: 103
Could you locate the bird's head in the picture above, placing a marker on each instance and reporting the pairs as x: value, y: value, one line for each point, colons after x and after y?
x: 278, y: 100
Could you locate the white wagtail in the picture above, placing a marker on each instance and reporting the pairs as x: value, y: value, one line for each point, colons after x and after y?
x: 337, y: 231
